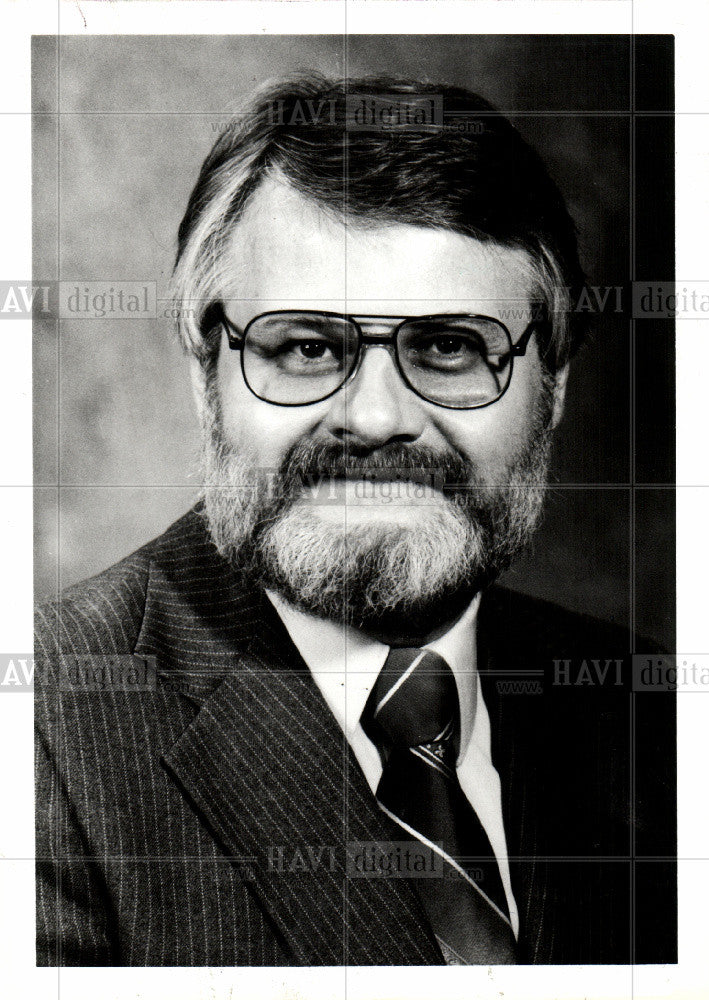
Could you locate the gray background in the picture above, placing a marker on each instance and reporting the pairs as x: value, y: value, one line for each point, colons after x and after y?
x: 122, y: 125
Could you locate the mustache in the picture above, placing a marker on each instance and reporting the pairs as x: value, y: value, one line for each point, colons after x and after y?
x: 306, y: 462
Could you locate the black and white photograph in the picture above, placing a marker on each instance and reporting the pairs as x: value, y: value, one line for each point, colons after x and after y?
x: 351, y: 707
x: 355, y: 510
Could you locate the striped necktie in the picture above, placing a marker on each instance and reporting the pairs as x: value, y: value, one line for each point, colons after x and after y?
x: 412, y: 716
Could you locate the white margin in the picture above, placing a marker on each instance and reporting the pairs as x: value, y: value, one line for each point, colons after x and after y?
x: 690, y: 23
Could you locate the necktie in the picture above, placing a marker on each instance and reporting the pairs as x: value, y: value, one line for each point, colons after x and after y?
x: 412, y: 716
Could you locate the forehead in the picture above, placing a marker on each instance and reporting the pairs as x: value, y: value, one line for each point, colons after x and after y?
x: 286, y: 250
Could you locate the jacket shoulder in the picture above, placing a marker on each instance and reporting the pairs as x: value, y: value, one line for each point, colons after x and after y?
x: 101, y: 614
x: 512, y: 615
x: 512, y: 618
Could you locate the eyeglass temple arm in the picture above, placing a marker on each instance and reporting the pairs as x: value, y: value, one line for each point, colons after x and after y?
x: 214, y: 316
x: 520, y: 348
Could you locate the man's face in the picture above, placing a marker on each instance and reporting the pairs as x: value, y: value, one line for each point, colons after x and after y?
x: 286, y: 253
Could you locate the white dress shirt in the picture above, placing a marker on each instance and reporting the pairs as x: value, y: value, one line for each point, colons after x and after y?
x: 345, y: 664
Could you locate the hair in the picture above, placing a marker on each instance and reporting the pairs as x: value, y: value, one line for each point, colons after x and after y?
x: 471, y: 173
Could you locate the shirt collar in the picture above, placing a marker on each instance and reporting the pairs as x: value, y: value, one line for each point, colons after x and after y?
x: 345, y: 663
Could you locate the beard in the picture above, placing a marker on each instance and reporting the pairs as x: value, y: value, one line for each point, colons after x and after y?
x: 384, y: 577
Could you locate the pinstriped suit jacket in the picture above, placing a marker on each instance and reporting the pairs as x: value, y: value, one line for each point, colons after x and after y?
x: 204, y: 821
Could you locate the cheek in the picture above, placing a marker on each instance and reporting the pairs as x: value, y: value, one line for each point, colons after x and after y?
x: 259, y: 429
x: 494, y: 436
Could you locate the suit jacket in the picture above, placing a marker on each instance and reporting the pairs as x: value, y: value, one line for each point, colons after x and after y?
x: 204, y: 820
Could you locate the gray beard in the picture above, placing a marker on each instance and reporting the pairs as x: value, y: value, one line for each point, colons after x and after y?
x: 384, y: 577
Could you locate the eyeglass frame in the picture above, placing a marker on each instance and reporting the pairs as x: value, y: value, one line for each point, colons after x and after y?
x: 237, y: 338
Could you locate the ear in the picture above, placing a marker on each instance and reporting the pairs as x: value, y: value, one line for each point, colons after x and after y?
x: 559, y: 394
x: 199, y: 385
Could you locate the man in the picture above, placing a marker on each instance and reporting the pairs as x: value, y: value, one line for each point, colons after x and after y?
x: 330, y: 764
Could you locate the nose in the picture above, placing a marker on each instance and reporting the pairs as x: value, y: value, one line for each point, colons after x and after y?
x: 376, y: 407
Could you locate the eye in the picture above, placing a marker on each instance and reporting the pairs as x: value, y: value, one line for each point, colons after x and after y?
x: 312, y: 349
x: 448, y: 344
x: 307, y: 356
x: 445, y: 350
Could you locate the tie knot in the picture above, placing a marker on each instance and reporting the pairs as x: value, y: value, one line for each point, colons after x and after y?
x: 414, y: 701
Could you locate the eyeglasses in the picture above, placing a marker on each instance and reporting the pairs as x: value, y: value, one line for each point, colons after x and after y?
x: 298, y: 357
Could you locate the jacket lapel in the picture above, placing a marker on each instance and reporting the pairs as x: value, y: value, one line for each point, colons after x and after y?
x: 266, y: 767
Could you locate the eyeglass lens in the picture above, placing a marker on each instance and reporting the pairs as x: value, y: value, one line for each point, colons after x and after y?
x: 299, y: 357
